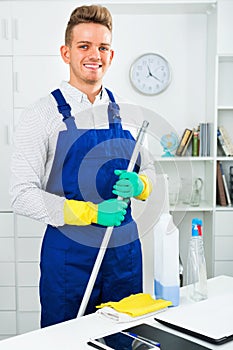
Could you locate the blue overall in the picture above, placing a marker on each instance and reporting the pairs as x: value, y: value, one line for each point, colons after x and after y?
x: 83, y: 169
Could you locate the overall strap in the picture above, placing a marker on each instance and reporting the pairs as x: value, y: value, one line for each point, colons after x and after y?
x: 113, y: 112
x: 63, y: 107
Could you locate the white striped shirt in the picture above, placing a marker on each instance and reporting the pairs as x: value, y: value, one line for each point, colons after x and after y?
x: 34, y: 149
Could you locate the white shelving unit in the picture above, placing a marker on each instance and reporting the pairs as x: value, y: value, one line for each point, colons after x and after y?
x: 223, y: 216
x: 196, y: 38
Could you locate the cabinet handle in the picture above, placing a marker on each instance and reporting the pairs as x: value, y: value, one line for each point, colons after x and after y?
x: 15, y: 29
x: 5, y: 29
x: 16, y: 82
x: 9, y: 135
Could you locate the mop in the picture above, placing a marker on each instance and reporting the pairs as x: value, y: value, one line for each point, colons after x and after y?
x: 107, y: 235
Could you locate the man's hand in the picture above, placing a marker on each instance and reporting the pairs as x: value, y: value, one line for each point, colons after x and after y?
x: 128, y: 185
x: 111, y: 212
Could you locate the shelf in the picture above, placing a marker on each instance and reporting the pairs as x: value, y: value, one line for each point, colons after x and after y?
x: 225, y: 58
x: 225, y: 108
x: 183, y: 159
x: 204, y: 206
x: 221, y: 208
x: 225, y: 159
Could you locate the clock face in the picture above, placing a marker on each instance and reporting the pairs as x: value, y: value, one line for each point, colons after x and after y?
x: 150, y: 74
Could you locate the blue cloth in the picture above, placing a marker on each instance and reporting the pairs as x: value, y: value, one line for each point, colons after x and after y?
x: 83, y: 169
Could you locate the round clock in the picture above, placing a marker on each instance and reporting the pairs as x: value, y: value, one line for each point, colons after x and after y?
x: 150, y: 74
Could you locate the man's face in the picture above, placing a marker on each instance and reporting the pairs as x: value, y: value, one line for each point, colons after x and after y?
x: 90, y: 53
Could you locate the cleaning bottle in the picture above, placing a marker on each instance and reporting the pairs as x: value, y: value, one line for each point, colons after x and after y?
x: 196, y: 264
x: 166, y: 260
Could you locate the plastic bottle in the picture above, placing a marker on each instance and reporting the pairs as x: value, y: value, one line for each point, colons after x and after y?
x: 166, y: 260
x: 196, y: 264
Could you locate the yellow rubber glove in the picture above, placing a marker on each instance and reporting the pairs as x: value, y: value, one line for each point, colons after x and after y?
x: 147, y: 189
x: 79, y: 213
x: 107, y: 213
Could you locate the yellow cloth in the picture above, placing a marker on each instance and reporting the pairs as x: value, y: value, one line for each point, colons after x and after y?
x: 79, y: 213
x: 146, y: 189
x: 137, y: 304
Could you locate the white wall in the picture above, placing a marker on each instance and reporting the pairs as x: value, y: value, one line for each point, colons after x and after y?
x: 182, y: 40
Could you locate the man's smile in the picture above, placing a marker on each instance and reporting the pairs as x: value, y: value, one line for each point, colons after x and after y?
x: 93, y: 65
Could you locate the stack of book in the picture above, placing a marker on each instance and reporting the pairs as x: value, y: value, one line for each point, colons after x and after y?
x: 195, y: 142
x: 223, y: 193
x: 224, y: 141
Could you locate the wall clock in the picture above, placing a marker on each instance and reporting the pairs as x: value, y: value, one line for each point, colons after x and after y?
x: 150, y: 74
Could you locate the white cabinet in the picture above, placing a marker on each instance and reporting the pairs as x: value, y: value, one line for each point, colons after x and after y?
x: 35, y: 77
x: 6, y: 128
x: 223, y: 241
x: 5, y: 29
x: 28, y: 245
x: 39, y: 26
x: 225, y: 27
x: 7, y: 276
x: 28, y: 321
x: 7, y: 323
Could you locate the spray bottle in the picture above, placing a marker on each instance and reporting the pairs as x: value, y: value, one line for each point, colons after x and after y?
x: 196, y: 264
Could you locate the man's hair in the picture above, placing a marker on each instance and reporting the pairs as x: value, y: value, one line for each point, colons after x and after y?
x: 87, y: 14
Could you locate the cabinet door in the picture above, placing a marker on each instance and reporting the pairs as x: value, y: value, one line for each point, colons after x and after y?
x: 6, y: 127
x: 39, y: 26
x: 225, y: 27
x: 7, y: 276
x: 36, y: 76
x: 223, y: 243
x: 5, y: 29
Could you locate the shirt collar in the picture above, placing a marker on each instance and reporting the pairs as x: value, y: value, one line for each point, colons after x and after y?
x: 80, y: 96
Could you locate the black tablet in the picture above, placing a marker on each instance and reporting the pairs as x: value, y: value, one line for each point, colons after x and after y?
x: 167, y: 340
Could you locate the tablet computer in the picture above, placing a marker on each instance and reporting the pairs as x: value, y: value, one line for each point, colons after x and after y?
x: 123, y: 340
x: 167, y: 340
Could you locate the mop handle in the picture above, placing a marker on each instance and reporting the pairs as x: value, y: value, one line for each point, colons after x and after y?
x: 109, y: 229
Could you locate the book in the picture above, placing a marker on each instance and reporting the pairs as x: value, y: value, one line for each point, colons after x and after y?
x: 204, y: 139
x: 226, y: 139
x: 231, y: 181
x: 222, y: 144
x: 195, y: 143
x: 186, y: 138
x: 225, y: 185
x: 221, y: 196
x: 187, y: 143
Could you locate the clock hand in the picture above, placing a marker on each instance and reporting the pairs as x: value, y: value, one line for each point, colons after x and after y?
x: 151, y: 75
x: 148, y: 71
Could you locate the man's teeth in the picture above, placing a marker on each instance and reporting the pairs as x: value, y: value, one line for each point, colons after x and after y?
x: 92, y: 65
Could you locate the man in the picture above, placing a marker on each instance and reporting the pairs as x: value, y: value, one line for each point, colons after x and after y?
x: 67, y: 171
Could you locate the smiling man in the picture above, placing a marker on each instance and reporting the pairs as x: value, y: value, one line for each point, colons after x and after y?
x: 88, y: 53
x: 67, y: 173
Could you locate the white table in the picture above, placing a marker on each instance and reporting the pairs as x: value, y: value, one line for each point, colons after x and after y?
x: 74, y: 334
